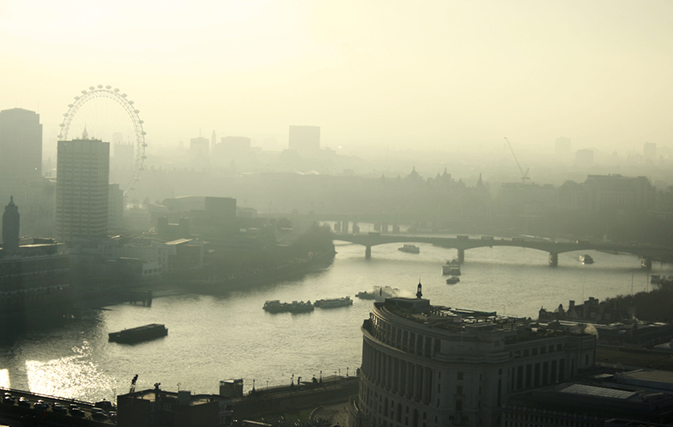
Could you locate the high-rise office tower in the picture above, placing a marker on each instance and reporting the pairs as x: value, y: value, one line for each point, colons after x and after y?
x: 20, y: 151
x: 82, y: 176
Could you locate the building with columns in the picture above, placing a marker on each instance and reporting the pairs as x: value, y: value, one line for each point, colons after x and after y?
x: 431, y: 366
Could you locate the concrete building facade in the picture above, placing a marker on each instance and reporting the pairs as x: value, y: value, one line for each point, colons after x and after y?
x: 20, y: 149
x: 431, y: 366
x: 82, y: 188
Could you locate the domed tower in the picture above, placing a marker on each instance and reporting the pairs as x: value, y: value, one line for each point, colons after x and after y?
x: 10, y: 227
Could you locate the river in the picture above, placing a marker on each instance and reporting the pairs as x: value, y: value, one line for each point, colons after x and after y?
x: 226, y: 337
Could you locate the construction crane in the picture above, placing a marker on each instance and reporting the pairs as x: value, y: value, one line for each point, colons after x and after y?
x: 524, y: 175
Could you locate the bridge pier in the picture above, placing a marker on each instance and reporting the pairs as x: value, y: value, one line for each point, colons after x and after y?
x: 461, y: 256
x: 646, y: 263
x: 368, y: 252
x: 553, y: 259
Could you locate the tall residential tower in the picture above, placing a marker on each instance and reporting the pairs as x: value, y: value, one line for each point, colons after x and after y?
x: 82, y: 188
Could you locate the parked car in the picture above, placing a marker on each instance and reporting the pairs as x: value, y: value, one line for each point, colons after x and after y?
x: 57, y: 407
x: 24, y: 402
x: 41, y: 404
x: 98, y: 413
x: 76, y: 411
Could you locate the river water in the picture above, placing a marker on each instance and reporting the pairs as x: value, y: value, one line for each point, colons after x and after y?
x: 226, y: 337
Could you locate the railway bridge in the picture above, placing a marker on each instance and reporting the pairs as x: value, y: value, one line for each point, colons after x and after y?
x: 647, y: 253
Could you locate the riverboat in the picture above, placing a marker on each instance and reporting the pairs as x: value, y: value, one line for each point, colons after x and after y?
x: 586, y: 259
x: 411, y: 249
x: 452, y: 280
x: 451, y: 268
x: 275, y: 306
x: 333, y: 303
x: 366, y: 295
x: 300, y: 307
x: 139, y: 334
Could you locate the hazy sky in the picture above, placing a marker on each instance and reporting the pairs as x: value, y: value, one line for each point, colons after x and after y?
x: 427, y: 74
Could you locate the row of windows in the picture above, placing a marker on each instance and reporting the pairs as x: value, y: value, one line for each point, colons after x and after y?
x: 535, y: 350
x: 404, y: 340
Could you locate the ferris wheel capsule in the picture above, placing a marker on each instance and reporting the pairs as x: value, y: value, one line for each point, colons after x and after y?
x: 124, y: 95
x: 92, y: 88
x: 116, y: 89
x: 69, y: 105
x: 84, y: 91
x: 100, y: 86
x: 108, y: 87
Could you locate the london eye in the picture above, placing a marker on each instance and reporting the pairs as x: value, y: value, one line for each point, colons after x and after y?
x: 97, y: 111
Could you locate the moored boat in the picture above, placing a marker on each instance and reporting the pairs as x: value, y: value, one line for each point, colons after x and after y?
x: 275, y: 306
x: 334, y: 302
x: 141, y: 333
x: 452, y: 280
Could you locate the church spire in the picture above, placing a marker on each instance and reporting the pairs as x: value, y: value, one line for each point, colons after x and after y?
x: 10, y: 227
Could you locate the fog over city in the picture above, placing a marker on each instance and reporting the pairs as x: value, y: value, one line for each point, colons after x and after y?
x: 432, y: 75
x: 294, y: 213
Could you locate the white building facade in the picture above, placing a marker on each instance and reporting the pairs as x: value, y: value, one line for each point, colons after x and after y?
x: 428, y: 366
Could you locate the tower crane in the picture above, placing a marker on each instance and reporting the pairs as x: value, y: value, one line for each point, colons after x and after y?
x: 524, y: 175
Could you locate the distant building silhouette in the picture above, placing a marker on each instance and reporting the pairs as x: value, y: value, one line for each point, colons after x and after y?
x: 20, y: 154
x: 304, y: 139
x: 650, y: 151
x: 584, y: 157
x: 199, y: 147
x: 10, y: 227
x: 115, y: 216
x: 562, y: 147
x: 82, y: 188
x: 20, y: 145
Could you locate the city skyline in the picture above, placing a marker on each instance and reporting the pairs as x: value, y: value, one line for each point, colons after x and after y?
x: 441, y: 75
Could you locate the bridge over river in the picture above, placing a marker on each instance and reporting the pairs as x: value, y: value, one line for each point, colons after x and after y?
x: 462, y: 243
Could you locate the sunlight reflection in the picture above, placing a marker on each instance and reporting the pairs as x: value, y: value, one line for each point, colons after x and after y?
x: 71, y: 376
x: 4, y: 378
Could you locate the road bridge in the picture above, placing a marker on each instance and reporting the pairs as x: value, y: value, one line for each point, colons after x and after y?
x: 462, y: 243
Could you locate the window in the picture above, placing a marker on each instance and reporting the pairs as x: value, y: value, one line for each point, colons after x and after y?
x: 459, y: 389
x: 460, y: 376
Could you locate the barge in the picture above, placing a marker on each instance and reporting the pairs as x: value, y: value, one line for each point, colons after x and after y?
x: 141, y: 333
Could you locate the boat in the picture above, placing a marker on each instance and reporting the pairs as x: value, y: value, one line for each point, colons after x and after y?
x: 412, y: 249
x: 452, y: 280
x: 451, y: 268
x: 275, y: 306
x: 333, y: 303
x: 586, y: 259
x: 300, y: 307
x: 141, y: 333
x: 366, y: 295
